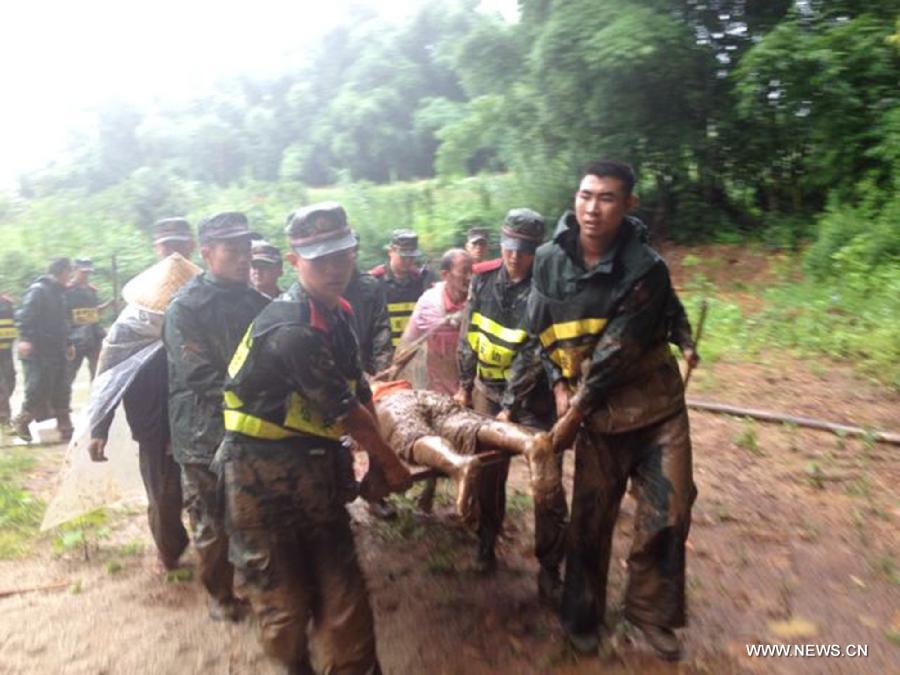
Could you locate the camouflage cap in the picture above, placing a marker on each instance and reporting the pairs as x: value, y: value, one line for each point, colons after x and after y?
x: 264, y: 253
x: 223, y: 226
x: 320, y: 229
x: 523, y: 230
x: 172, y: 229
x: 406, y: 243
x: 477, y: 234
x: 85, y: 264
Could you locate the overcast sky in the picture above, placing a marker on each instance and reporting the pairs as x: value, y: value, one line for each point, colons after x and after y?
x: 60, y: 58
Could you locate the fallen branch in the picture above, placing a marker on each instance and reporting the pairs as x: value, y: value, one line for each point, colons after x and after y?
x: 809, y: 422
x: 56, y: 585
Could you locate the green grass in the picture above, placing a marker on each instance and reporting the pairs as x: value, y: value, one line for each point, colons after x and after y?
x: 856, y: 324
x: 20, y: 512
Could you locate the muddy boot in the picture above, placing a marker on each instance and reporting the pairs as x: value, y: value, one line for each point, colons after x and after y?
x: 64, y: 427
x: 425, y: 502
x: 663, y: 640
x: 486, y: 556
x: 230, y: 609
x: 20, y: 425
x: 550, y: 588
x: 381, y: 509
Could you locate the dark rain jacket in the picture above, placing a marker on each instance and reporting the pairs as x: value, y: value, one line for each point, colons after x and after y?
x: 204, y: 324
x: 494, y: 336
x: 401, y: 296
x: 365, y: 294
x: 84, y: 318
x: 42, y: 318
x: 294, y: 376
x: 606, y: 328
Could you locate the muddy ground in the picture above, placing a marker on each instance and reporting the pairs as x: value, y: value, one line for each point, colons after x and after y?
x: 794, y: 541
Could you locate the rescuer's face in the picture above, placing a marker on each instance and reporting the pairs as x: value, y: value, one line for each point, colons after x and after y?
x: 325, y: 278
x: 229, y: 259
x: 601, y: 205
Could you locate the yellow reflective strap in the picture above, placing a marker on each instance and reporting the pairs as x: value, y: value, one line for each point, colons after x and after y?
x: 569, y: 359
x: 302, y: 417
x: 511, y: 335
x: 491, y: 373
x: 85, y: 316
x: 395, y: 340
x: 232, y: 400
x: 399, y: 323
x: 488, y: 351
x: 571, y: 329
x: 240, y: 354
x: 6, y: 322
x: 241, y: 422
x: 9, y: 333
x: 400, y: 307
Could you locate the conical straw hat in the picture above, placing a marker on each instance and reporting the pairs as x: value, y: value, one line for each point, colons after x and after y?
x: 153, y: 288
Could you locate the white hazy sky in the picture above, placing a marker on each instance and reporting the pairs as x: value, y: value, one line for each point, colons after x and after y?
x: 59, y: 58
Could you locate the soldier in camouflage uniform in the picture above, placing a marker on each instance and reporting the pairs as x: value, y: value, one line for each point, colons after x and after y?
x: 7, y: 368
x: 85, y: 334
x: 203, y: 325
x: 601, y: 309
x: 44, y: 348
x: 294, y: 387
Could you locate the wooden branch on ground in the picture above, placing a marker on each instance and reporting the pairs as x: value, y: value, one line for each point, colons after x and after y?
x: 56, y: 585
x: 809, y: 422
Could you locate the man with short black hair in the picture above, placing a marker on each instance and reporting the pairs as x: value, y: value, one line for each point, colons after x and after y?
x: 44, y: 348
x: 203, y: 325
x: 600, y: 307
x: 438, y: 313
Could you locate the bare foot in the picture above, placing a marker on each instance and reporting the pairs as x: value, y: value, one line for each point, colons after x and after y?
x: 546, y: 480
x: 467, y: 492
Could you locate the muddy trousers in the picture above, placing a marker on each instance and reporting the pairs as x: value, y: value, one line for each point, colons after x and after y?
x: 657, y: 459
x: 47, y: 391
x: 203, y: 504
x: 550, y: 518
x: 162, y: 480
x: 7, y: 383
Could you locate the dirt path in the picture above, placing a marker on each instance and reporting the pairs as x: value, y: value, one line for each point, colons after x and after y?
x: 794, y: 541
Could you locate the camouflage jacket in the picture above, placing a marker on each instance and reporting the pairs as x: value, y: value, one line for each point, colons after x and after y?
x: 42, y: 318
x: 605, y: 330
x: 204, y: 324
x: 370, y: 319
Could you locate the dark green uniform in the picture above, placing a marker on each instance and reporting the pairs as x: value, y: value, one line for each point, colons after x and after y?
x: 7, y: 368
x: 617, y: 315
x: 495, y: 335
x: 370, y: 319
x: 204, y: 323
x: 85, y: 333
x: 401, y: 295
x: 295, y: 375
x: 42, y: 320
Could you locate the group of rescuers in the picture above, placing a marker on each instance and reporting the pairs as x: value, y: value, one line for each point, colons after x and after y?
x: 248, y: 413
